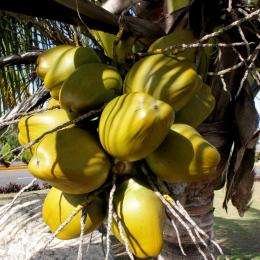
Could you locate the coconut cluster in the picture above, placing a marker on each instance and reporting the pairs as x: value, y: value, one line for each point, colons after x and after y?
x: 149, y: 118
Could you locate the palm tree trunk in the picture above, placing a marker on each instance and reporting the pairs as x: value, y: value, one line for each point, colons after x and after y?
x: 197, y: 199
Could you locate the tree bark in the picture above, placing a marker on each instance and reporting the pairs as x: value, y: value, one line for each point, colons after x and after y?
x: 197, y: 199
x: 16, y: 59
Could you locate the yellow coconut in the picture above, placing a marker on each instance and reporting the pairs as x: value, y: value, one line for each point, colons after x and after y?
x: 133, y: 125
x: 65, y: 65
x: 173, y: 80
x: 47, y: 59
x: 142, y: 215
x: 31, y: 127
x: 184, y: 156
x: 58, y: 206
x: 71, y: 160
x: 178, y: 37
x: 197, y: 109
x: 89, y: 86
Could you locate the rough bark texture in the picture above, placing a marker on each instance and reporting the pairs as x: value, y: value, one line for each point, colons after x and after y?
x: 197, y: 198
x: 24, y: 58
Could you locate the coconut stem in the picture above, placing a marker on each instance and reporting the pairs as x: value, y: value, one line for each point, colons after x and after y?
x: 82, y: 224
x: 110, y: 215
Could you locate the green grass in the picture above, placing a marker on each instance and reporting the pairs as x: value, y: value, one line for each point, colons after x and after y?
x: 239, y: 237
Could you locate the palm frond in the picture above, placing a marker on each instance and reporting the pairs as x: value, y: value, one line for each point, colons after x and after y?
x: 19, y: 36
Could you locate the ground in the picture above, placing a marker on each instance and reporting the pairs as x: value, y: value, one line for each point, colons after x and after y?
x: 239, y: 236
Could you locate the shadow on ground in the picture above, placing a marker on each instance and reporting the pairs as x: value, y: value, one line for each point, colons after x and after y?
x: 240, y: 237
